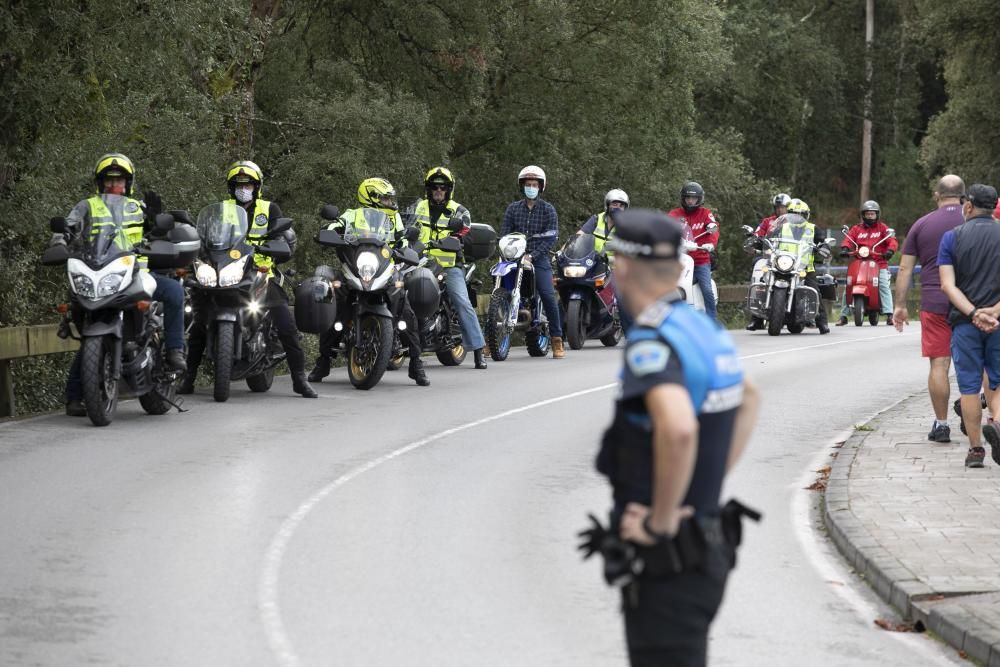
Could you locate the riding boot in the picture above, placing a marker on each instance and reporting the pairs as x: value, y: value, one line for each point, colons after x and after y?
x: 75, y: 408
x: 187, y: 384
x: 417, y: 373
x: 321, y: 369
x: 300, y: 385
x: 175, y: 360
x: 558, y: 352
x: 755, y: 324
x: 480, y: 359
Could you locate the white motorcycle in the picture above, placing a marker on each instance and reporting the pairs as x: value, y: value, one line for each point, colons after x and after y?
x: 686, y: 285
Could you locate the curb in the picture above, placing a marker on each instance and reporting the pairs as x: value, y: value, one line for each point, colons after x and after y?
x: 946, y: 617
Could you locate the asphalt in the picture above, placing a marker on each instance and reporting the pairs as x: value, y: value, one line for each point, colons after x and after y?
x: 923, y: 530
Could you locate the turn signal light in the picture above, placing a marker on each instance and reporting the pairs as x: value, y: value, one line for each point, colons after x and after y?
x: 181, y: 273
x: 599, y: 282
x: 336, y: 284
x: 263, y: 269
x: 62, y: 308
x: 143, y: 305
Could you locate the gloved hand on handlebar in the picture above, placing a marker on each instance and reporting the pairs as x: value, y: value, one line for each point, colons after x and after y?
x: 823, y: 252
x: 845, y: 252
x: 708, y: 247
x: 455, y: 223
x: 888, y: 254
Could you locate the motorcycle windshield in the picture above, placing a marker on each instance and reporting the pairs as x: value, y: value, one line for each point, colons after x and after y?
x: 581, y: 246
x: 105, y: 240
x: 222, y: 225
x: 369, y: 224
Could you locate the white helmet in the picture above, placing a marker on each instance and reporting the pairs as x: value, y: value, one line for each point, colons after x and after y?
x: 531, y: 171
x: 616, y: 195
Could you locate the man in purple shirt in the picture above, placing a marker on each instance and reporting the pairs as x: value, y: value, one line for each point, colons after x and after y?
x: 922, y: 245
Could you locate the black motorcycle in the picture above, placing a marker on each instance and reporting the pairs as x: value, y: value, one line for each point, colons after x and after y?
x: 229, y: 295
x: 586, y: 293
x: 119, y: 326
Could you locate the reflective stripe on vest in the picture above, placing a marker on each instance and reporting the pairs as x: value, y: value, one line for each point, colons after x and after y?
x: 807, y: 235
x: 429, y: 232
x: 130, y: 227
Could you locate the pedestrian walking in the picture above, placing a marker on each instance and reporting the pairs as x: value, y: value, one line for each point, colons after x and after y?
x: 921, y: 245
x: 970, y: 276
x: 683, y: 417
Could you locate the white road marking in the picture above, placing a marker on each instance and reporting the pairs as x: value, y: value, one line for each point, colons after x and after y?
x: 267, y: 589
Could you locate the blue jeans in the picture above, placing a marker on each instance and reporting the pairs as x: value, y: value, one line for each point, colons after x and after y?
x: 543, y: 283
x: 884, y: 295
x: 472, y: 334
x: 703, y: 279
x: 171, y: 294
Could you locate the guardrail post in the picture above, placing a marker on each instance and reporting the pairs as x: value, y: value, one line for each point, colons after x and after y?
x: 6, y: 389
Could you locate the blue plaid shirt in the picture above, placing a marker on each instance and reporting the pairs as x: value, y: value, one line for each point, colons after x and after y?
x: 540, y: 224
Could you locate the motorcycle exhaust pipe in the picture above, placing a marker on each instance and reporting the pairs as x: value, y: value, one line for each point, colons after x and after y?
x: 523, y: 317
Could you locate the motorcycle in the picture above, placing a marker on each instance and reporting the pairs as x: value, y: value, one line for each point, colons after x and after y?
x: 862, y: 280
x: 368, y: 278
x: 781, y: 298
x: 586, y: 293
x: 230, y: 294
x: 119, y: 326
x: 686, y: 285
x: 511, y: 290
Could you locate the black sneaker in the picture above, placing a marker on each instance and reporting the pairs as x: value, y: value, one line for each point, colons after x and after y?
x: 975, y: 457
x: 940, y: 433
x: 991, y: 432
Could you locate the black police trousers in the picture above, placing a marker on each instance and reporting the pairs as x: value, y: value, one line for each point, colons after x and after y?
x: 667, y: 618
x: 281, y: 319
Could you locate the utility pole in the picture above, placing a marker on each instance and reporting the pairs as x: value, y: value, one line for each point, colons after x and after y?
x: 866, y: 141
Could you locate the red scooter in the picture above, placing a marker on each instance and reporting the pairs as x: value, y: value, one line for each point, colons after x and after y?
x: 862, y: 280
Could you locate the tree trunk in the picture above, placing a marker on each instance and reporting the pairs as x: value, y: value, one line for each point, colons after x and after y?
x: 866, y: 141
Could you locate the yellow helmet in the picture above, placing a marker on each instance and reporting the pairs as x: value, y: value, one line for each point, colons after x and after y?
x: 244, y: 171
x: 114, y: 164
x: 440, y: 176
x: 377, y: 193
x: 799, y: 207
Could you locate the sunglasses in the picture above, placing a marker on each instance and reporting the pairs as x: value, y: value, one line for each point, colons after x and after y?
x: 442, y: 188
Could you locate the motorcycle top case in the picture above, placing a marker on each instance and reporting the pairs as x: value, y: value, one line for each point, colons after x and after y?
x: 480, y: 242
x: 187, y: 243
x: 315, y: 306
x: 422, y: 291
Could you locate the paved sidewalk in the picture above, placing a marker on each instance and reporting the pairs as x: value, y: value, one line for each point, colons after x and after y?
x: 920, y: 527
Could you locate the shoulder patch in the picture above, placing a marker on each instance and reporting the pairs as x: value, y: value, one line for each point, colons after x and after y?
x: 647, y: 356
x: 654, y: 314
x: 131, y: 207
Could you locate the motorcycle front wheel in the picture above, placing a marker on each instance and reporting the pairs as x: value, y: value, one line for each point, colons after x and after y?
x: 612, y: 339
x: 497, y: 332
x: 576, y: 330
x: 859, y: 310
x: 224, y: 342
x: 776, y: 312
x: 366, y: 363
x: 100, y: 386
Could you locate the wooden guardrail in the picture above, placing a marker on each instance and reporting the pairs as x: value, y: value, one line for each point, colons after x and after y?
x: 21, y: 342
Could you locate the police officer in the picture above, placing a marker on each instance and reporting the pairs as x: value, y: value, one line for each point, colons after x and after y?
x: 244, y: 180
x: 682, y: 418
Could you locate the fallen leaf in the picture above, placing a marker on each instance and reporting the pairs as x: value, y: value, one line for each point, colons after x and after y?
x: 824, y: 471
x: 818, y: 485
x: 892, y: 626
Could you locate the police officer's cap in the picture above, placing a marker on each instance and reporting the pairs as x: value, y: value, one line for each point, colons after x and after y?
x: 982, y: 196
x: 645, y: 233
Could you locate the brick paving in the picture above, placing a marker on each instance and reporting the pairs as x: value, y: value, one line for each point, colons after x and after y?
x: 922, y: 529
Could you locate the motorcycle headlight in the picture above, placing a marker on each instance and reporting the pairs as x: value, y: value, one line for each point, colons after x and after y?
x: 864, y: 251
x: 367, y: 266
x: 232, y: 274
x: 574, y: 271
x: 513, y: 247
x: 784, y: 262
x: 206, y: 275
x: 110, y: 284
x: 82, y: 285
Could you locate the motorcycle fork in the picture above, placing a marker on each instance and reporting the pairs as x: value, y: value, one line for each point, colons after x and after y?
x: 515, y: 299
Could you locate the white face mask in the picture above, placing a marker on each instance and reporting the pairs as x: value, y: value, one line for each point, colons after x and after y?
x: 244, y: 193
x: 530, y: 192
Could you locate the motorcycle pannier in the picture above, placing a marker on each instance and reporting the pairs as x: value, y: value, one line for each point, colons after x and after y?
x: 422, y: 291
x: 185, y: 240
x: 480, y: 242
x: 827, y: 286
x: 315, y: 306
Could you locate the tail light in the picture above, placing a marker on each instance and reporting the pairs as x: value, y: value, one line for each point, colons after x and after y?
x: 143, y: 305
x: 62, y: 308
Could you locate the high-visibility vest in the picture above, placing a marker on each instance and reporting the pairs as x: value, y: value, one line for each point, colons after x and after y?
x: 129, y: 229
x: 601, y: 233
x: 804, y: 232
x: 257, y: 235
x: 436, y: 232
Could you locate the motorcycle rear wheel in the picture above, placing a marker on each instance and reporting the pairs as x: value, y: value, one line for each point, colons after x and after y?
x: 100, y: 389
x: 859, y: 310
x: 538, y: 342
x: 497, y: 333
x: 452, y: 357
x: 576, y: 330
x: 366, y: 363
x: 262, y: 381
x: 612, y: 339
x: 224, y: 342
x: 873, y: 318
x: 795, y: 328
x: 776, y: 313
x: 157, y: 401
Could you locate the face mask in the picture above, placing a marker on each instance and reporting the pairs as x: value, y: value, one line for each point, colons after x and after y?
x: 530, y: 192
x: 244, y: 193
x: 114, y: 189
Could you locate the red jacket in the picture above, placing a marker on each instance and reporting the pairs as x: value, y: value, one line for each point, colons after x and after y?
x: 697, y: 220
x: 765, y: 226
x: 869, y: 236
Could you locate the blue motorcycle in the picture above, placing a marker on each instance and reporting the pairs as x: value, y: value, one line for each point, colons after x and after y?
x: 515, y: 304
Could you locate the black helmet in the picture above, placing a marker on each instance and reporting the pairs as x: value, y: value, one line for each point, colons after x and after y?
x: 692, y: 189
x: 422, y: 291
x: 870, y: 205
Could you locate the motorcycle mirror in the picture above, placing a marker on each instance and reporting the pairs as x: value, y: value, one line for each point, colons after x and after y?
x: 845, y: 229
x: 181, y: 215
x: 747, y: 229
x: 329, y: 237
x: 58, y: 225
x: 409, y: 256
x: 281, y: 225
x: 163, y: 222
x: 57, y: 254
x: 892, y: 233
x: 711, y: 227
x: 329, y: 212
x: 276, y: 249
x: 830, y: 241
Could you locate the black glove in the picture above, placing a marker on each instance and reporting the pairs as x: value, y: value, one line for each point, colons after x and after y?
x: 455, y: 223
x: 845, y: 252
x: 154, y: 205
x: 291, y: 239
x: 823, y: 252
x: 592, y: 538
x: 888, y: 254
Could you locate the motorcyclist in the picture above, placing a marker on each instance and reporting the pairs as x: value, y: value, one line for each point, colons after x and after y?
x: 795, y: 225
x: 114, y: 176
x: 244, y: 180
x: 698, y: 217
x: 780, y: 203
x: 374, y: 194
x: 869, y: 232
x: 438, y: 217
x: 602, y: 226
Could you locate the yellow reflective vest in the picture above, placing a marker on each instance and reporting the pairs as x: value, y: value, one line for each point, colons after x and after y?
x: 436, y: 232
x: 601, y: 233
x: 130, y: 228
x: 257, y: 235
x: 804, y: 232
